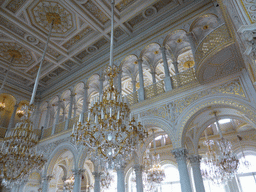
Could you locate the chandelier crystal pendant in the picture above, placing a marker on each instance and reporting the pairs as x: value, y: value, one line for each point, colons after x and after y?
x: 155, y: 174
x: 18, y: 155
x: 111, y: 132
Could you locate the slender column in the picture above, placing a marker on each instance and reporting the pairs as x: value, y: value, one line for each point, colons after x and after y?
x: 77, y: 175
x: 70, y: 110
x: 11, y: 122
x: 192, y: 43
x: 75, y: 108
x: 120, y: 180
x: 46, y: 122
x: 120, y: 81
x: 85, y: 102
x: 153, y: 77
x: 195, y: 164
x: 64, y: 178
x: 139, y: 181
x: 141, y: 90
x: 167, y: 79
x: 57, y: 118
x: 46, y: 180
x: 180, y: 155
x: 134, y: 85
x: 101, y: 85
x: 96, y: 181
x: 176, y: 64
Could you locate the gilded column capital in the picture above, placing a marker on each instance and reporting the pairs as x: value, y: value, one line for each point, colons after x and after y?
x: 77, y: 171
x: 139, y: 60
x: 138, y: 168
x: 162, y: 49
x: 47, y: 178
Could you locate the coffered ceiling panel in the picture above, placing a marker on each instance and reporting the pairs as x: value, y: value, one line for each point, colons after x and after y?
x: 81, y: 31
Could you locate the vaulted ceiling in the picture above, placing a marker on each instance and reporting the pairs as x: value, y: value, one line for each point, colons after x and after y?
x: 81, y: 32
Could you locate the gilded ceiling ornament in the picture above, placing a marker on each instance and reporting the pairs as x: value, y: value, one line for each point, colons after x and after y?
x: 15, y: 5
x: 46, y: 11
x: 250, y: 9
x: 10, y: 49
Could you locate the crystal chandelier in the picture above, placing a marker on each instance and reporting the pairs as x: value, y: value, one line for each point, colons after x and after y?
x: 110, y: 132
x: 17, y: 156
x: 69, y: 183
x: 2, y: 104
x: 106, y: 179
x: 210, y: 169
x: 228, y: 162
x: 155, y: 173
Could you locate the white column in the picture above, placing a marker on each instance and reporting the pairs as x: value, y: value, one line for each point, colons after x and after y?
x: 134, y: 85
x: 46, y: 121
x: 120, y: 179
x: 75, y: 109
x: 96, y: 181
x: 180, y: 155
x: 153, y: 73
x: 77, y: 175
x: 70, y: 110
x: 141, y: 90
x: 64, y: 178
x: 139, y: 182
x: 192, y: 43
x: 198, y: 180
x: 101, y: 85
x: 11, y: 122
x: 176, y: 64
x: 167, y: 79
x: 85, y: 102
x: 46, y: 180
x: 57, y: 118
x: 120, y: 81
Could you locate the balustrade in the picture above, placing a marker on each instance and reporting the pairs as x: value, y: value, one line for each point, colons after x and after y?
x: 59, y: 127
x: 2, y: 132
x: 154, y: 89
x: 132, y: 98
x: 183, y: 78
x: 47, y: 132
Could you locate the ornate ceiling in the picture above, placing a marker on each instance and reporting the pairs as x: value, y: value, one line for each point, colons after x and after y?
x: 81, y: 32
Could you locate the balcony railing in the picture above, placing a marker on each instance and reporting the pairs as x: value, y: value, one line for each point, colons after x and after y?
x: 154, y: 89
x: 212, y: 42
x: 151, y: 91
x: 183, y: 78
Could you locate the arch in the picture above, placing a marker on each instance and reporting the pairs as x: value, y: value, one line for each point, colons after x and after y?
x: 92, y: 78
x: 221, y: 100
x: 57, y: 152
x: 201, y: 17
x: 160, y: 123
x: 127, y: 59
x: 171, y: 34
x: 147, y: 48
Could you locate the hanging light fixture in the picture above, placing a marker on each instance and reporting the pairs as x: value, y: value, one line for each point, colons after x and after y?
x: 2, y: 104
x: 210, y: 169
x: 228, y: 162
x: 106, y: 179
x: 110, y: 132
x: 244, y: 164
x: 69, y: 183
x: 155, y: 174
x: 20, y: 113
x: 18, y: 155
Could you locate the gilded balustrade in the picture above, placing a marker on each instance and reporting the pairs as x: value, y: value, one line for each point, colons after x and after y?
x: 47, y: 132
x: 2, y: 132
x: 154, y: 89
x: 214, y: 41
x: 72, y: 121
x: 132, y: 98
x: 59, y: 127
x: 183, y: 78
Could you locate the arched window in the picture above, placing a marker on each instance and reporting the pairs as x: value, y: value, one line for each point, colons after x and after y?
x: 247, y: 176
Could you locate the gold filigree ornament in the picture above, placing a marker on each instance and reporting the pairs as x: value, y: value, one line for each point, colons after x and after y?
x: 189, y: 64
x: 17, y: 156
x: 14, y: 53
